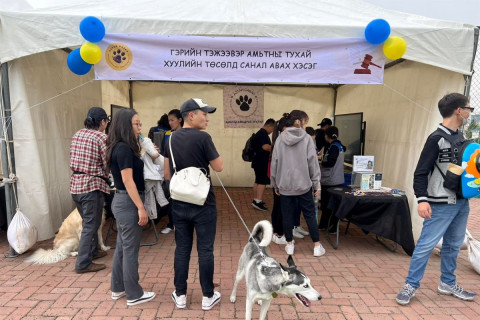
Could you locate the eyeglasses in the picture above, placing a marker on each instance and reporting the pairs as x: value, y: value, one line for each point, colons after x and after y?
x: 137, y: 124
x: 469, y: 108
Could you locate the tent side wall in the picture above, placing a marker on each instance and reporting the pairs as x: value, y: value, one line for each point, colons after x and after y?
x: 151, y: 100
x: 400, y: 114
x: 49, y: 105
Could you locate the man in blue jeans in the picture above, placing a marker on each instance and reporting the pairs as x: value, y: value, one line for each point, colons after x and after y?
x: 192, y: 147
x: 444, y: 212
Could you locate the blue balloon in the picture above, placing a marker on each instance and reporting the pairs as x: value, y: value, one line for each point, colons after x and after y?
x: 76, y: 64
x: 377, y: 31
x: 92, y: 29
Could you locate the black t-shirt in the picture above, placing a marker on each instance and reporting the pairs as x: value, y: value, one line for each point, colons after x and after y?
x: 261, y: 156
x: 192, y: 148
x: 123, y: 157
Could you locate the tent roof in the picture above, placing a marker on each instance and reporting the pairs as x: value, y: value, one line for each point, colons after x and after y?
x: 33, y: 26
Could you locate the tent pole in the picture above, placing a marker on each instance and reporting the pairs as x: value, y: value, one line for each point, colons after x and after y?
x: 468, y: 79
x: 6, y: 113
x: 335, y: 93
x: 130, y: 94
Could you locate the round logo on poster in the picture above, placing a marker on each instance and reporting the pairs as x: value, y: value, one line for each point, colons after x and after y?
x: 118, y: 56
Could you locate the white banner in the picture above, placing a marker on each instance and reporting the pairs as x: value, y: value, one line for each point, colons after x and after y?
x: 239, y: 59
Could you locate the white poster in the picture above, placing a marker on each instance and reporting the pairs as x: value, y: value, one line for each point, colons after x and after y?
x: 239, y: 59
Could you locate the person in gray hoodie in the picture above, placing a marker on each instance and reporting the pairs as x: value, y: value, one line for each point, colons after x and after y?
x: 294, y: 172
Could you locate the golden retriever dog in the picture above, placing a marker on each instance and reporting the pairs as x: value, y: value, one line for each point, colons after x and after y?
x: 66, y: 241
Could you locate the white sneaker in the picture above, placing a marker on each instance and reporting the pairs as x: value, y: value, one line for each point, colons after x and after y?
x: 166, y: 230
x: 180, y: 301
x: 289, y: 248
x: 279, y: 240
x: 118, y: 295
x: 297, y: 234
x: 319, y: 251
x: 302, y: 231
x: 147, y: 296
x: 208, y: 303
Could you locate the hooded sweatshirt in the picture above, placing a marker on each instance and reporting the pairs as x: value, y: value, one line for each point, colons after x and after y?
x: 294, y: 169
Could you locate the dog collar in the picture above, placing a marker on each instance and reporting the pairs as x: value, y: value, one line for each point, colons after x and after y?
x: 274, y: 294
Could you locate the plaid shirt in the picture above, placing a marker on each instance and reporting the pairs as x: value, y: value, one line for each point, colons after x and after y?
x: 88, y: 155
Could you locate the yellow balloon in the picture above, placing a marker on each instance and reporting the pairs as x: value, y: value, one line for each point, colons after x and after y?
x: 394, y: 48
x: 90, y: 53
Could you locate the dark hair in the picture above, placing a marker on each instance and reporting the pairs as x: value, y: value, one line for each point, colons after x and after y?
x: 163, y: 122
x: 122, y: 131
x: 91, y: 123
x: 177, y: 114
x: 451, y: 102
x: 279, y: 125
x: 269, y: 122
x: 294, y: 115
x: 310, y: 131
x: 332, y: 132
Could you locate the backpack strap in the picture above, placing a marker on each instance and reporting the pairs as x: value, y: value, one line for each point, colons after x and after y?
x: 456, y: 142
x: 171, y: 153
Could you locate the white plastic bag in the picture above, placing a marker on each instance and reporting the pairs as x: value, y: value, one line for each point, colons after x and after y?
x: 474, y: 252
x: 21, y: 233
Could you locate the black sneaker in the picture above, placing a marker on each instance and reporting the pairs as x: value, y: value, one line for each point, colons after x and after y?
x: 259, y: 205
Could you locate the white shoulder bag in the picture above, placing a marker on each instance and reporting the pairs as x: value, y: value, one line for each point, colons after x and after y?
x: 190, y: 184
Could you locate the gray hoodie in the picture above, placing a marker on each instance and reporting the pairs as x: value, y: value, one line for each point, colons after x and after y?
x: 294, y: 169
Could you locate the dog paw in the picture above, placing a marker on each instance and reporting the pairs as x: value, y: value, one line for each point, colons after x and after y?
x: 105, y: 248
x: 74, y: 253
x: 233, y: 298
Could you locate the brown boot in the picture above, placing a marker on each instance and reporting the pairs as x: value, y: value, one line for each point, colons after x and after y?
x: 99, y: 255
x: 93, y: 267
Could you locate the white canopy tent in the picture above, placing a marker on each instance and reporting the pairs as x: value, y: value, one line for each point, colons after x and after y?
x: 49, y: 102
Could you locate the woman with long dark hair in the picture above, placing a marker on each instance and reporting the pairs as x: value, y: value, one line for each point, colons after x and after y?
x: 123, y: 158
x: 294, y: 172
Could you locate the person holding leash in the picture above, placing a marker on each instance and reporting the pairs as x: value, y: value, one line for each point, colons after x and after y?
x: 191, y: 147
x: 88, y: 185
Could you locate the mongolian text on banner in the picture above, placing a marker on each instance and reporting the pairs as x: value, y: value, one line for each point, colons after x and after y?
x: 239, y: 59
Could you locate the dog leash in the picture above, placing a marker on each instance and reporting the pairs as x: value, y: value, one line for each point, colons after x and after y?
x: 239, y: 215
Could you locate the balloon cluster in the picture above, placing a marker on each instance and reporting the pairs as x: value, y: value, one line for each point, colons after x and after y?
x: 80, y: 60
x: 378, y: 31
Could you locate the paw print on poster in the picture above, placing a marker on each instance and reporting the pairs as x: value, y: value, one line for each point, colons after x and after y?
x: 118, y: 56
x: 244, y: 102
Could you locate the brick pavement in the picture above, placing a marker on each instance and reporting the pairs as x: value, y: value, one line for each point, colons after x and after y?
x: 357, y: 281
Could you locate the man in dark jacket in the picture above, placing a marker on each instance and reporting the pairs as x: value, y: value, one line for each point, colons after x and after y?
x: 320, y: 141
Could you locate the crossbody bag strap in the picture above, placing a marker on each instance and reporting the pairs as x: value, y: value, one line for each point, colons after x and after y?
x: 171, y: 153
x: 436, y: 165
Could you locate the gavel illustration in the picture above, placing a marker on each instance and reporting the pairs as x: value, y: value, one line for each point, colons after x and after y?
x: 367, y: 61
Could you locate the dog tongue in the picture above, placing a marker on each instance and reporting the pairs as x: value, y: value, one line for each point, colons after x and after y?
x: 304, y: 300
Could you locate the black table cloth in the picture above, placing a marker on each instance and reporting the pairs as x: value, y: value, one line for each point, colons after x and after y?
x: 385, y: 215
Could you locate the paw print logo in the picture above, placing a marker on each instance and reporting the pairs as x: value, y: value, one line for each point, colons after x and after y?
x: 244, y: 102
x: 118, y: 56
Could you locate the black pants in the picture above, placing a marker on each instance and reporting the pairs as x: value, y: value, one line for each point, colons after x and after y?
x: 188, y: 217
x: 277, y: 220
x: 326, y: 213
x: 90, y: 207
x: 289, y: 206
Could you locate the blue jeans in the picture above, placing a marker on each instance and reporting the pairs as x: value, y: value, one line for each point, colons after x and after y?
x: 188, y: 217
x: 449, y: 221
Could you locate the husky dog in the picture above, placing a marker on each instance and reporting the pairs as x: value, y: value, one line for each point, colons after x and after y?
x: 265, y: 277
x: 66, y: 241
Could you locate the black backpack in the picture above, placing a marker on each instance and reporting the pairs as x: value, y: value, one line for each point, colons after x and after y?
x: 248, y: 151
